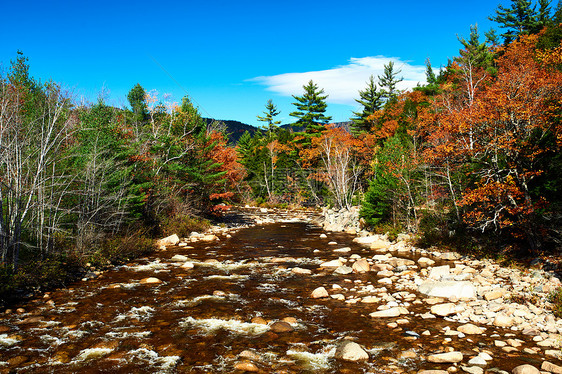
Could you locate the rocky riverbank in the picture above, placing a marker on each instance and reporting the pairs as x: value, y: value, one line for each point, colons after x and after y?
x: 273, y: 293
x: 507, y: 307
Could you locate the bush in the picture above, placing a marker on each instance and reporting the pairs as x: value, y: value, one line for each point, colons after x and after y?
x: 120, y: 249
x: 183, y: 225
x: 555, y: 298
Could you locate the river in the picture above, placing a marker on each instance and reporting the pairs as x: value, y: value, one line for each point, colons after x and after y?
x: 223, y: 313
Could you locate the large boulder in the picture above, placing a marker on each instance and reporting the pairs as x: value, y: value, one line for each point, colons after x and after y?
x: 448, y: 289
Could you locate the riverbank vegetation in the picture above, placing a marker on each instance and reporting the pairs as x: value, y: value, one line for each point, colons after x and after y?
x: 470, y: 159
x: 472, y: 156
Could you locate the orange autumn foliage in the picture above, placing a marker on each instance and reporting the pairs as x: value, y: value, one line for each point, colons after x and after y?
x: 499, y: 136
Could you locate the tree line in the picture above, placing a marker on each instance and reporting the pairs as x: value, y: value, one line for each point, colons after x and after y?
x: 80, y: 183
x: 475, y: 151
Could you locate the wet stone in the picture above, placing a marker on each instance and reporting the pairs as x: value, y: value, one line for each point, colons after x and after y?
x: 281, y: 326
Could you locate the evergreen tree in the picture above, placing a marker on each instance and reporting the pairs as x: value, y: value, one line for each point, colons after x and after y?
x: 388, y: 82
x: 474, y: 52
x: 543, y: 15
x: 517, y: 20
x: 269, y: 116
x: 492, y: 37
x: 432, y: 86
x: 557, y: 16
x: 311, y: 107
x: 137, y: 101
x: 371, y: 100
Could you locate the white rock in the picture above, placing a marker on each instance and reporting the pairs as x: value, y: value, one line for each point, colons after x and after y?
x: 170, y: 240
x: 392, y: 312
x: 319, y: 292
x: 343, y: 250
x: 525, y: 369
x: 477, y: 361
x: 448, y: 289
x: 448, y: 357
x: 350, y: 351
x: 361, y: 266
x: 331, y: 264
x: 424, y: 261
x: 445, y: 309
x: 439, y: 272
x: 179, y: 258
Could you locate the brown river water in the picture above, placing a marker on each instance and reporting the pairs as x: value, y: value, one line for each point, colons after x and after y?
x: 199, y: 320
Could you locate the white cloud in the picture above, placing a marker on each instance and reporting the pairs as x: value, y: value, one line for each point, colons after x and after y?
x: 343, y: 83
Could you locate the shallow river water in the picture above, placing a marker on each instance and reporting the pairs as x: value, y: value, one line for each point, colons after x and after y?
x: 200, y: 320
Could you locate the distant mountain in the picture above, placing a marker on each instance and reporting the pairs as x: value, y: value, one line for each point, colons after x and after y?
x: 234, y: 129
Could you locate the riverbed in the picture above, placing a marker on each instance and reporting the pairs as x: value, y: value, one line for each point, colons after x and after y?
x: 244, y: 305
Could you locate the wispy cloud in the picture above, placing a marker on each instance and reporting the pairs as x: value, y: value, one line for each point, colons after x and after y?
x: 342, y: 83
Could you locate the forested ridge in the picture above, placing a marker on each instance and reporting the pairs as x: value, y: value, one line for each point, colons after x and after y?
x: 471, y: 157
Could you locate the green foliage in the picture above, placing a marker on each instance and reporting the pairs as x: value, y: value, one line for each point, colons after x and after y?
x: 311, y: 107
x: 388, y: 81
x: 183, y: 225
x: 475, y: 54
x: 137, y: 101
x: 371, y: 101
x: 555, y: 298
x: 379, y: 201
x: 269, y: 117
x: 522, y: 18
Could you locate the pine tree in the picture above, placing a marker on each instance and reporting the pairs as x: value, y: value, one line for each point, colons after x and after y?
x: 311, y: 108
x: 388, y: 82
x: 543, y: 15
x: 371, y: 100
x: 474, y: 52
x: 269, y: 117
x: 557, y: 16
x: 517, y: 20
x: 137, y: 101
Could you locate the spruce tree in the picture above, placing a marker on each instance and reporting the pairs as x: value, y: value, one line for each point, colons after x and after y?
x: 371, y: 100
x: 269, y: 117
x: 475, y: 53
x: 311, y: 107
x: 557, y: 16
x: 137, y: 101
x: 388, y: 82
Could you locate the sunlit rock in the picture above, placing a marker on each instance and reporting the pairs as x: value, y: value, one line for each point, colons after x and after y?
x: 448, y: 357
x: 448, y: 289
x: 350, y: 351
x: 319, y: 293
x: 170, y: 240
x: 525, y: 369
x: 361, y: 266
x: 150, y: 280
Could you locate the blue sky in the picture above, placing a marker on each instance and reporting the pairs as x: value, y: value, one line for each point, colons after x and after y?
x: 230, y: 57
